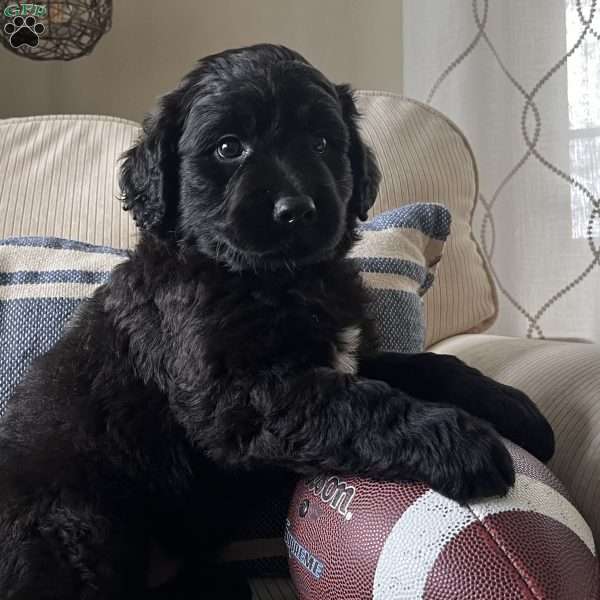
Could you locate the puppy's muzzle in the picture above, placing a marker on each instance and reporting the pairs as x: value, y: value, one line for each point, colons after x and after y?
x: 294, y: 210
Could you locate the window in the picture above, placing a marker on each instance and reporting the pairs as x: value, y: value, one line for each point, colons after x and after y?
x: 583, y: 72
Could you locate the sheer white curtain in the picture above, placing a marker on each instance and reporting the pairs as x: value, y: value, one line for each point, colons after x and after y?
x: 521, y: 78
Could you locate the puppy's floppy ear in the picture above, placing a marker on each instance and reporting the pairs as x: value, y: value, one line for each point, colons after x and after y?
x: 149, y: 173
x: 365, y: 172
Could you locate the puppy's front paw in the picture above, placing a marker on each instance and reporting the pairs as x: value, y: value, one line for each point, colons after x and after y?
x: 509, y: 410
x: 466, y: 458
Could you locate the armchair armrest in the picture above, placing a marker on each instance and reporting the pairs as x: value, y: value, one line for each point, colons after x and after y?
x: 563, y: 379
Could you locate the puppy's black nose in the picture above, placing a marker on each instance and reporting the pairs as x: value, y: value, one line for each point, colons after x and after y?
x: 294, y: 210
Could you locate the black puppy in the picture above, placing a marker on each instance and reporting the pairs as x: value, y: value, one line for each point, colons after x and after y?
x: 231, y: 346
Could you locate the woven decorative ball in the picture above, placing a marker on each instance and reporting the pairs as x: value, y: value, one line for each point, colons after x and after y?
x: 357, y: 539
x: 55, y: 29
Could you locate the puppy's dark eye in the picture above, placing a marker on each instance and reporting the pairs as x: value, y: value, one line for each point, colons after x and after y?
x: 320, y: 145
x: 229, y: 147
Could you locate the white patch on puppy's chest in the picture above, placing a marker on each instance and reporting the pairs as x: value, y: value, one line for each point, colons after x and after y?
x: 345, y: 352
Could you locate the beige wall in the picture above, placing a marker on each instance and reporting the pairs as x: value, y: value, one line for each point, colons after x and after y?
x: 153, y: 42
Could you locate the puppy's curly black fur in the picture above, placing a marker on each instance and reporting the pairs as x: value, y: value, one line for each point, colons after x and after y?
x: 231, y: 348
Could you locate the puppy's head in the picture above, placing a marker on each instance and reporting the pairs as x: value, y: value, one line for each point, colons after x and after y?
x: 255, y: 159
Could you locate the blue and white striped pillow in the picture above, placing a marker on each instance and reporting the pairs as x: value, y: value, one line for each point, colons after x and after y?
x: 397, y: 255
x: 42, y: 280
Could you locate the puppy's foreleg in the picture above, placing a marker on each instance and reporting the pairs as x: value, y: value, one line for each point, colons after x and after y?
x: 323, y: 420
x: 445, y: 378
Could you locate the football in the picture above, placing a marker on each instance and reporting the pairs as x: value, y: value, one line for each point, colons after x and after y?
x: 357, y: 539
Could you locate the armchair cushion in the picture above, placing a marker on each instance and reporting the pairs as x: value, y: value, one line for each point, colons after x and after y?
x: 563, y: 379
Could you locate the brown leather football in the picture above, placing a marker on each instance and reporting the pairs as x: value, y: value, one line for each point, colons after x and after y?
x: 357, y: 539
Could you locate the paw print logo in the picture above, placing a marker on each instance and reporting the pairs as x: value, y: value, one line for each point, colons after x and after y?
x: 24, y: 31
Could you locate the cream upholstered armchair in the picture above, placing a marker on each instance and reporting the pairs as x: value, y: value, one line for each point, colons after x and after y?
x: 58, y: 178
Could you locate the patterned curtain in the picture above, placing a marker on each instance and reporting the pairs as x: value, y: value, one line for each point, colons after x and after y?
x: 521, y: 78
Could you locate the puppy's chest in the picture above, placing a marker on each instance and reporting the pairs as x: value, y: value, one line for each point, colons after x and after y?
x: 298, y: 327
x: 322, y: 343
x: 316, y: 335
